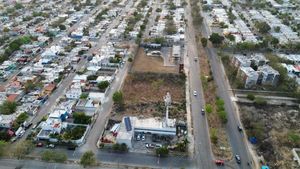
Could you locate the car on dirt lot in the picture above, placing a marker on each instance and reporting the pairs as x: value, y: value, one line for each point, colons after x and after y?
x: 219, y: 162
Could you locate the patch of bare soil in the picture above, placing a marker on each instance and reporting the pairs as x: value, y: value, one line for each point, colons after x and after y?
x: 277, y: 130
x: 155, y: 64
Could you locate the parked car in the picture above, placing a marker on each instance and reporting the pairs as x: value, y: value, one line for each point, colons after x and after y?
x: 219, y: 162
x: 239, y: 128
x: 28, y: 125
x: 71, y: 147
x: 50, y: 146
x: 238, y: 159
x: 149, y: 145
x: 39, y: 144
x: 21, y: 133
x: 143, y: 137
x: 195, y: 93
x: 34, y: 126
x: 158, y: 145
x: 138, y: 137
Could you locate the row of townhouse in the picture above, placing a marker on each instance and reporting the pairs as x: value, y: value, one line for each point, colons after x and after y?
x: 263, y: 75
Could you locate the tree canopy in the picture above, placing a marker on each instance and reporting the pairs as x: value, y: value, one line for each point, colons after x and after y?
x: 81, y: 118
x: 88, y: 159
x: 118, y: 97
x: 103, y: 85
x: 262, y: 27
x: 162, y: 151
x: 8, y: 107
x: 216, y: 39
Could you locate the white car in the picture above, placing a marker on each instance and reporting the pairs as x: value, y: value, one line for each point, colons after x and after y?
x: 195, y: 93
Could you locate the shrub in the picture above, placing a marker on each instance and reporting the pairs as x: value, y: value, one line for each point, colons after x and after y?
x: 223, y: 116
x: 213, y: 135
x: 208, y: 108
x: 162, y: 151
x: 260, y: 101
x: 251, y: 97
x: 88, y: 159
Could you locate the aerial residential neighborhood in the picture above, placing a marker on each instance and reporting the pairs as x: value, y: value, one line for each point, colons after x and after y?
x: 194, y: 84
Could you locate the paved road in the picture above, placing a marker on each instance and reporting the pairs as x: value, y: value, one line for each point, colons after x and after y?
x: 33, y: 164
x: 203, y: 153
x: 128, y: 159
x: 237, y: 140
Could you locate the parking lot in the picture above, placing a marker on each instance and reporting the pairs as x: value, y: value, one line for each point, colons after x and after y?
x: 148, y: 142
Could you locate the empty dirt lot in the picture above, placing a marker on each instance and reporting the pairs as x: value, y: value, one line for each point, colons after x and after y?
x: 144, y: 63
x: 277, y: 130
x: 144, y: 92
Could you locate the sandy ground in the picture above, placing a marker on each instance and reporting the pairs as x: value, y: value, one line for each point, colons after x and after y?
x: 144, y: 63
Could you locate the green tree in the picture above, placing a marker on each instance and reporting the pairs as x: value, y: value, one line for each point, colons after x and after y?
x: 223, y: 116
x: 62, y: 27
x: 274, y: 41
x: 208, y: 108
x: 103, y: 85
x: 262, y: 27
x: 8, y: 107
x: 204, y: 42
x: 231, y: 37
x: 29, y: 86
x: 92, y: 77
x: 277, y: 29
x: 294, y: 138
x: 21, y: 118
x: 19, y: 6
x: 88, y: 159
x: 84, y: 96
x: 130, y: 59
x: 74, y: 133
x: 6, y: 29
x: 216, y: 39
x: 81, y: 118
x: 118, y: 97
x: 158, y: 10
x: 162, y: 151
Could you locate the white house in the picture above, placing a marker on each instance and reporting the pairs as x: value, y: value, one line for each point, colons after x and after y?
x: 74, y: 92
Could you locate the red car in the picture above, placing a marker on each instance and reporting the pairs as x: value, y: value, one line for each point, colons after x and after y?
x: 39, y: 144
x: 219, y: 162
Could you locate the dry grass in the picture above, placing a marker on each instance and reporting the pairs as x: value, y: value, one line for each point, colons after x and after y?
x: 150, y: 87
x: 144, y: 63
x: 144, y: 92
